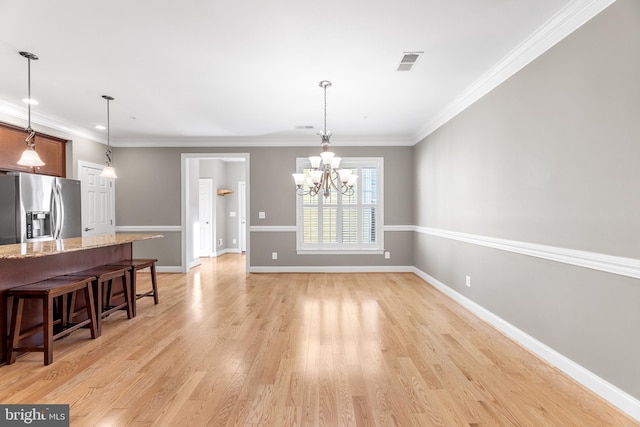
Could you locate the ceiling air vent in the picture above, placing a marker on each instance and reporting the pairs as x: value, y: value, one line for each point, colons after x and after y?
x: 408, y: 60
x: 304, y: 127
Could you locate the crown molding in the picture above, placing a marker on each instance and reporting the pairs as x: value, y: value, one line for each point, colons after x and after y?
x: 566, y: 21
x: 68, y: 130
x: 571, y: 17
x: 261, y: 141
x: 51, y: 122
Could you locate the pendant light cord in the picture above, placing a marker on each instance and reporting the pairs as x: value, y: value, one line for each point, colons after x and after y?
x: 32, y: 133
x: 29, y: 90
x: 325, y: 109
x: 108, y: 152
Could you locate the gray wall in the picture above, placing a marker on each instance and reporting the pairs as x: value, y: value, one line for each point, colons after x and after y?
x: 549, y: 157
x: 148, y: 194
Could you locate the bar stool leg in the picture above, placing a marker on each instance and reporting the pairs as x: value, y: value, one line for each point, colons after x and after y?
x: 134, y: 296
x: 64, y: 312
x: 107, y: 302
x: 16, y: 323
x: 47, y: 332
x: 98, y: 305
x: 91, y: 310
x: 154, y: 283
x: 127, y: 295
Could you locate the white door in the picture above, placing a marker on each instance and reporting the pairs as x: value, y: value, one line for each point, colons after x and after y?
x: 206, y: 217
x: 242, y: 208
x: 98, y: 206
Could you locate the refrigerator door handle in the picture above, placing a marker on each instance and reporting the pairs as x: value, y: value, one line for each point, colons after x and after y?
x: 58, y: 208
x: 54, y: 213
x: 61, y: 209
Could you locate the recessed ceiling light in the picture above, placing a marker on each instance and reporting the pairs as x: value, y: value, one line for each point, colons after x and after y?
x: 30, y: 101
x: 304, y: 127
x: 100, y: 127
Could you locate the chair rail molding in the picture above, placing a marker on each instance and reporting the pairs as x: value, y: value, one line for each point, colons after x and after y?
x: 148, y: 228
x: 629, y: 267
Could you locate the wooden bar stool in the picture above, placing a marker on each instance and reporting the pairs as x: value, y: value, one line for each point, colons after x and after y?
x: 47, y: 291
x: 106, y: 274
x: 136, y: 265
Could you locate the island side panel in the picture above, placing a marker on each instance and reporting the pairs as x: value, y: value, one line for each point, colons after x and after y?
x: 22, y: 271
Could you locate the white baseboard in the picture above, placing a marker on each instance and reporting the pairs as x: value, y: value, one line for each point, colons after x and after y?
x: 169, y: 269
x: 194, y: 263
x: 225, y: 251
x: 622, y: 400
x: 326, y: 269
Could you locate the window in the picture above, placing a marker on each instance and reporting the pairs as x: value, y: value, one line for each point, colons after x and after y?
x: 341, y: 223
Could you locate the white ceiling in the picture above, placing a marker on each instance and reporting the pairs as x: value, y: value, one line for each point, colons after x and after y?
x: 249, y: 70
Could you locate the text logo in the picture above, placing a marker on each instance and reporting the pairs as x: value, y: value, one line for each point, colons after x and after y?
x: 34, y: 415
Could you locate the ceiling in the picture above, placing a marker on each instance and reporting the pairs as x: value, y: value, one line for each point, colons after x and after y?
x: 196, y: 70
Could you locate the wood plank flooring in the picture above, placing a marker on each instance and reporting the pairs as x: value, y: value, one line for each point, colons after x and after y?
x: 225, y: 348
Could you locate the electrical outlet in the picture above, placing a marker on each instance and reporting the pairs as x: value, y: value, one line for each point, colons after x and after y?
x: 468, y: 281
x: 274, y: 255
x: 234, y: 241
x: 262, y: 215
x: 219, y: 242
x: 387, y: 255
x: 232, y: 214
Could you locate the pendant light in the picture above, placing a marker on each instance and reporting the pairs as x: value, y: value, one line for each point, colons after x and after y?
x: 108, y: 171
x: 29, y: 156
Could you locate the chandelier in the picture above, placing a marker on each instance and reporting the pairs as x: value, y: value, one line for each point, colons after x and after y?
x: 324, y: 175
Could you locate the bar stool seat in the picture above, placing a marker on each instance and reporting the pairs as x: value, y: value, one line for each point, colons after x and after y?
x: 47, y: 291
x: 106, y: 274
x: 137, y: 264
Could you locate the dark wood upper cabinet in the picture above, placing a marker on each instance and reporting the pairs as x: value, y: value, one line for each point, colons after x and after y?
x: 51, y: 150
x: 11, y: 147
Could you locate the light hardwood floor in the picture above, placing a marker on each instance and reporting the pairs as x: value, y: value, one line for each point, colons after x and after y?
x: 226, y: 348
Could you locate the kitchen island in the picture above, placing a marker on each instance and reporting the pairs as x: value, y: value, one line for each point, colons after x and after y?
x: 25, y: 263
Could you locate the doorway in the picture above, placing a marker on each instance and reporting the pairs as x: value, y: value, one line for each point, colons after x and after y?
x: 191, y: 230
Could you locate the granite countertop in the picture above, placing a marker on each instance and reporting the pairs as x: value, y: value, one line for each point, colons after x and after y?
x: 52, y: 247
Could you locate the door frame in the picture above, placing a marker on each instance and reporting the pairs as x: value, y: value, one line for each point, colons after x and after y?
x: 112, y: 190
x: 242, y: 205
x: 187, y: 234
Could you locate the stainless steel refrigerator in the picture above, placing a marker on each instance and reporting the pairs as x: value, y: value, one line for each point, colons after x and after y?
x: 38, y: 207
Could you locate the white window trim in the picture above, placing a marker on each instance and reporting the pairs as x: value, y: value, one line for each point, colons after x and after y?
x: 378, y: 162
